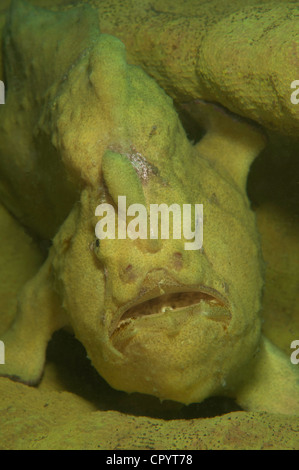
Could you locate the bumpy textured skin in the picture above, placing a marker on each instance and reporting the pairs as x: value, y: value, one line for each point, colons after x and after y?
x: 80, y: 112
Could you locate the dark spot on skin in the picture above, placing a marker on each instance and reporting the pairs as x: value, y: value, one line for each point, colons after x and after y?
x: 66, y: 243
x: 226, y: 287
x: 214, y: 199
x: 128, y: 274
x: 97, y: 243
x: 178, y: 261
x: 153, y: 131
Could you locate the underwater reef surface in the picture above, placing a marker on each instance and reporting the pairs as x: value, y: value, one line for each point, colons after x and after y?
x: 241, y: 53
x: 39, y: 420
x: 63, y: 413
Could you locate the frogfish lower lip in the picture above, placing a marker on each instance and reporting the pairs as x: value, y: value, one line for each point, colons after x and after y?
x: 210, y: 306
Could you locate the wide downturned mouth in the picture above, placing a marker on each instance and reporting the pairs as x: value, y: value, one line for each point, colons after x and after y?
x: 210, y: 305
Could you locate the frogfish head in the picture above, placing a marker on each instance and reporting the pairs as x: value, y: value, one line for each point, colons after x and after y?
x: 178, y: 320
